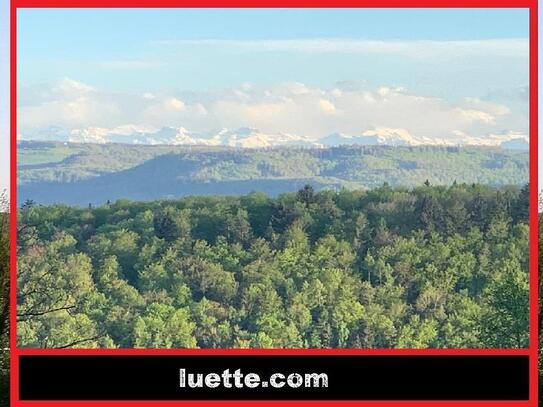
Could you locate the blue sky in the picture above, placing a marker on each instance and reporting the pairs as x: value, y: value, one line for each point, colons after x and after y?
x: 441, y: 73
x: 115, y: 48
x: 135, y: 26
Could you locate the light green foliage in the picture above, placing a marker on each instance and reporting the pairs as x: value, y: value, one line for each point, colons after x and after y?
x: 44, y: 153
x: 163, y: 326
x: 429, y: 267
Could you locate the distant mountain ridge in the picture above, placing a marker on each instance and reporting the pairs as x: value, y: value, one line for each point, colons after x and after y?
x: 80, y: 174
x: 247, y: 137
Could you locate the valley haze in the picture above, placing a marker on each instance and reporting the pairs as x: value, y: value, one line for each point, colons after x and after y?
x: 92, y: 173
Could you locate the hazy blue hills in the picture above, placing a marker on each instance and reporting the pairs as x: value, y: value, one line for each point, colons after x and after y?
x: 79, y: 174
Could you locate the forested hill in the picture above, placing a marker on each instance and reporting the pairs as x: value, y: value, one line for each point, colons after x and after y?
x: 441, y: 267
x: 91, y: 173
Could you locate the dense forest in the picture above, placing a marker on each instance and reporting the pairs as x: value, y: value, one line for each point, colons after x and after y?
x: 4, y: 301
x: 79, y: 174
x: 430, y: 266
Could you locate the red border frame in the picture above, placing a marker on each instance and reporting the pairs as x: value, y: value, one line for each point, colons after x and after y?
x: 531, y: 351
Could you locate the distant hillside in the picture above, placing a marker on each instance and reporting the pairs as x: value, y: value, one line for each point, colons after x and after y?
x: 51, y: 172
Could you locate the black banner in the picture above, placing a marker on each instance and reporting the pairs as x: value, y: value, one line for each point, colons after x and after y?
x: 348, y: 377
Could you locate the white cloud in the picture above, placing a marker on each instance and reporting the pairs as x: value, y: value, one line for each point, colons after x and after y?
x: 489, y: 106
x: 174, y: 104
x: 327, y: 106
x: 472, y: 115
x: 293, y: 108
x: 70, y: 87
x: 69, y: 102
x: 508, y: 47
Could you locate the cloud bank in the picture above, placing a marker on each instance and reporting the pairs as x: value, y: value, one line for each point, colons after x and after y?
x: 289, y: 108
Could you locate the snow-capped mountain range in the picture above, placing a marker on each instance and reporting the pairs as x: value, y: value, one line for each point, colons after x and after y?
x: 246, y: 137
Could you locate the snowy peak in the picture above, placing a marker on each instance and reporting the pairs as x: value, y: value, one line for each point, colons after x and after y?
x: 393, y: 137
x: 253, y: 138
x: 244, y: 137
x: 247, y: 137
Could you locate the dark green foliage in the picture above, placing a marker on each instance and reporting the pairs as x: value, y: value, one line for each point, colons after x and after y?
x: 92, y: 173
x: 432, y: 266
x: 170, y: 224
